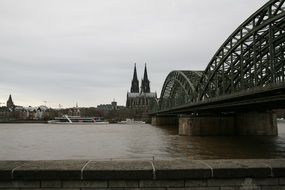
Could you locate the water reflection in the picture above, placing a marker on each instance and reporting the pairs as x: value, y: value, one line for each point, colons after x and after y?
x: 51, y: 142
x: 230, y: 147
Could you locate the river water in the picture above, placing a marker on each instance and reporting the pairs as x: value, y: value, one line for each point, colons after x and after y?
x: 117, y: 141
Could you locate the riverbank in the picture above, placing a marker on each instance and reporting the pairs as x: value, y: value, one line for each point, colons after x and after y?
x: 161, y: 174
x: 23, y: 121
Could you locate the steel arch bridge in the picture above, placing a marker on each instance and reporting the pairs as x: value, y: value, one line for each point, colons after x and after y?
x: 250, y: 61
x: 179, y: 88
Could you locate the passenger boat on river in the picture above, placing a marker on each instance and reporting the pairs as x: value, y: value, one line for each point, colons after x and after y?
x: 67, y: 119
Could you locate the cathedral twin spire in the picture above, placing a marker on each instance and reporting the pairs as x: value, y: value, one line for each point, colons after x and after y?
x: 144, y: 84
x: 135, y: 82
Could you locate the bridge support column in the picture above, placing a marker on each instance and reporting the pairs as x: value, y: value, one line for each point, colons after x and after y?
x: 254, y: 123
x: 243, y: 124
x: 206, y: 126
x: 164, y: 121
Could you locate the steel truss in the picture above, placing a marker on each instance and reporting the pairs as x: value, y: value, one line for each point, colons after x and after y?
x: 179, y: 88
x: 252, y: 57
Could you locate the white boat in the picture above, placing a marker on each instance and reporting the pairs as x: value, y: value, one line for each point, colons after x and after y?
x: 67, y: 119
x: 131, y: 122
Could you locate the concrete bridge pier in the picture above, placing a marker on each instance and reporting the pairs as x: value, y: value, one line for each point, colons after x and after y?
x: 164, y: 120
x: 206, y: 125
x: 254, y: 123
x: 244, y: 124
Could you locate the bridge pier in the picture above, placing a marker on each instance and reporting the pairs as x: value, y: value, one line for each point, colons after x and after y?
x: 253, y: 123
x: 164, y: 121
x: 206, y: 126
x: 244, y: 124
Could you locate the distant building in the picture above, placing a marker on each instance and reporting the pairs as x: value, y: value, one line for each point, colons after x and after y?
x: 114, y: 105
x: 21, y: 113
x: 105, y: 107
x: 41, y: 112
x: 108, y: 107
x: 10, y: 103
x: 73, y: 111
x: 8, y: 112
x: 15, y: 112
x: 140, y: 100
x: 5, y: 113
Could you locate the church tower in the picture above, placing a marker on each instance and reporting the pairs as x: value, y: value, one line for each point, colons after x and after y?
x: 135, y: 82
x: 10, y: 103
x: 145, y: 82
x: 140, y: 100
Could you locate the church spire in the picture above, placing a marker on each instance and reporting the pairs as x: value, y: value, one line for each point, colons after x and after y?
x: 145, y: 82
x: 145, y: 73
x: 135, y: 77
x: 10, y: 103
x: 135, y: 82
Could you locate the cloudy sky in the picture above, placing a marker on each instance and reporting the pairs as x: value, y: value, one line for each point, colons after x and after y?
x: 68, y: 51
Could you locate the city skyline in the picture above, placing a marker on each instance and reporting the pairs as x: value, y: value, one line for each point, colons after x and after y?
x: 64, y: 52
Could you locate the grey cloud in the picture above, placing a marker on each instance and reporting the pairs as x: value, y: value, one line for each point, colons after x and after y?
x: 84, y: 50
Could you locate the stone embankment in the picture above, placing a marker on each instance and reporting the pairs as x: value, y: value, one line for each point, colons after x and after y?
x: 145, y: 175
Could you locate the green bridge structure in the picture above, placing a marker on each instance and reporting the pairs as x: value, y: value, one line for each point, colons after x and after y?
x: 242, y: 84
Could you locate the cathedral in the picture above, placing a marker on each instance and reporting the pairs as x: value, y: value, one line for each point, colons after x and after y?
x: 140, y: 98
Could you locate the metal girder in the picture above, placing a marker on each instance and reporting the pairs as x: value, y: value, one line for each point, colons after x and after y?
x: 179, y: 88
x: 252, y: 58
x: 248, y: 56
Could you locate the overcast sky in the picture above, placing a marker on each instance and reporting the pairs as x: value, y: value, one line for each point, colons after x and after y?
x: 68, y: 51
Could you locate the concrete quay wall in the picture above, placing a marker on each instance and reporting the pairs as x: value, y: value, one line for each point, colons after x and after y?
x: 146, y: 175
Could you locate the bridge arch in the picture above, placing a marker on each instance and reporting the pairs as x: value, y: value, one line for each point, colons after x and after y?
x: 252, y: 57
x: 179, y: 88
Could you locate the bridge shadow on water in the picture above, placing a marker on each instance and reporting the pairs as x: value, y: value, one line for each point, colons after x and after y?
x: 228, y: 147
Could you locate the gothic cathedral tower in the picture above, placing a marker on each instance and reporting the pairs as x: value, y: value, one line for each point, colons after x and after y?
x: 140, y: 99
x: 145, y: 82
x: 135, y: 82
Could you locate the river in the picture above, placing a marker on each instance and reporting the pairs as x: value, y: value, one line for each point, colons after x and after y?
x: 117, y: 141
